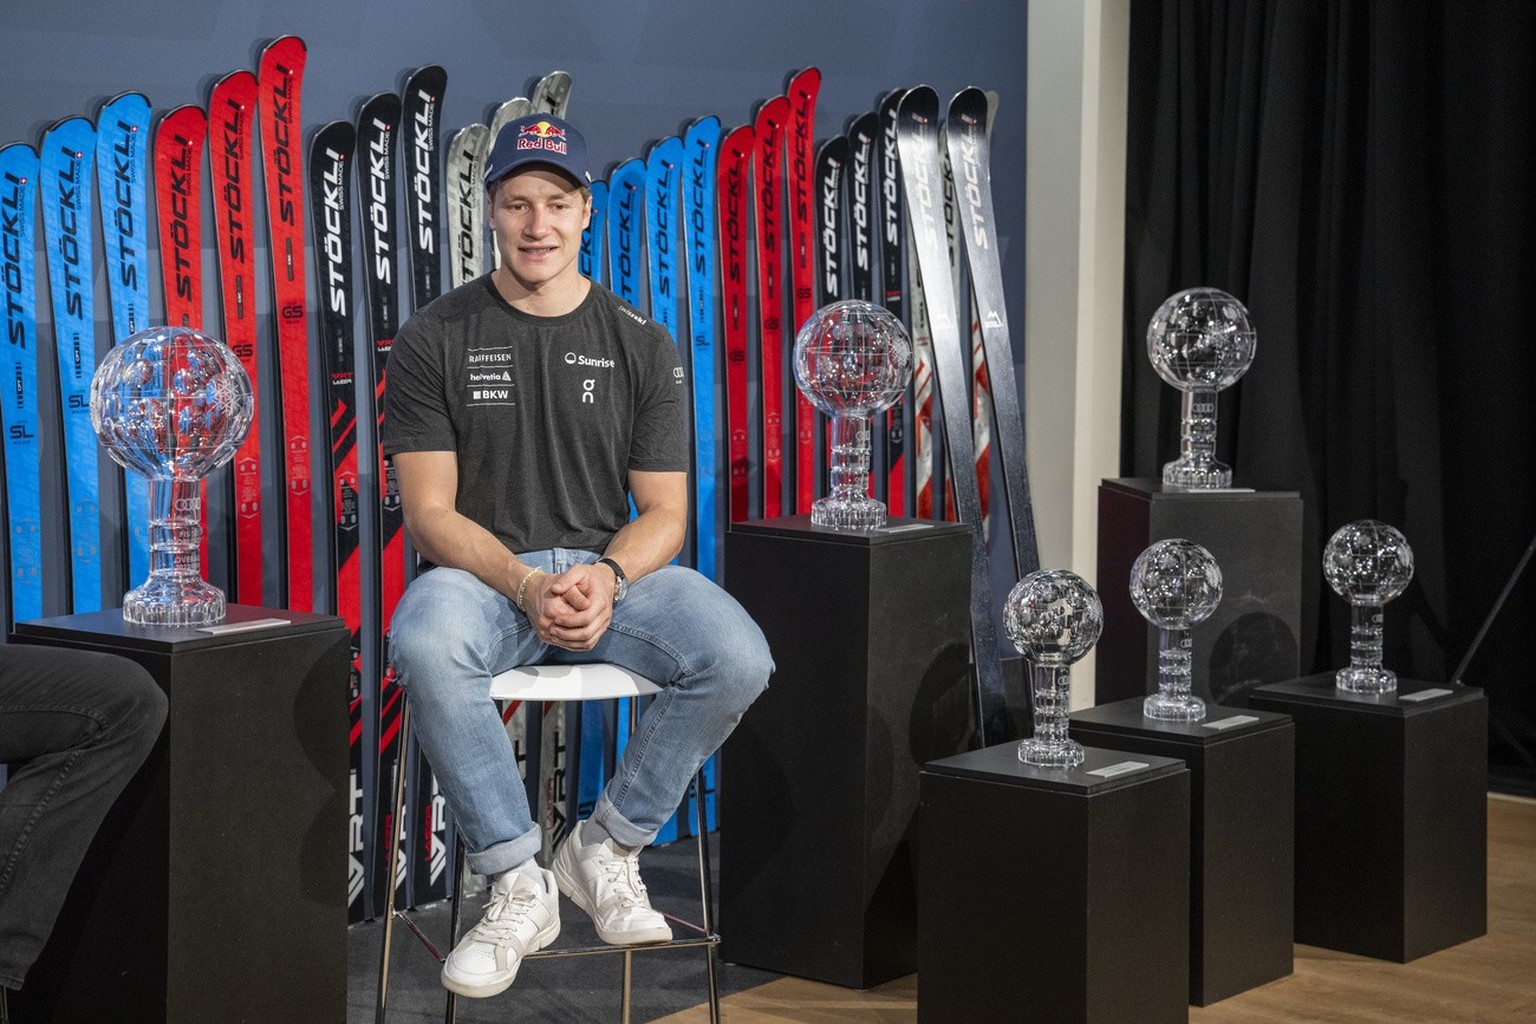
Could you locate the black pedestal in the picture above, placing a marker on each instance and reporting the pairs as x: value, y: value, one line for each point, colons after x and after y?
x: 216, y: 889
x: 1053, y: 895
x: 870, y: 635
x: 1251, y: 639
x: 1391, y: 815
x: 1242, y: 776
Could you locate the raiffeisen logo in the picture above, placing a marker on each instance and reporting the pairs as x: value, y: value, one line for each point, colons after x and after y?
x: 572, y: 359
x: 542, y: 135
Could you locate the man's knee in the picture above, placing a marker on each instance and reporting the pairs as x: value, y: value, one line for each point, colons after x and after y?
x: 430, y: 629
x: 133, y: 702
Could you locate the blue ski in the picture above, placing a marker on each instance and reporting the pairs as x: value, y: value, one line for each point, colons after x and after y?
x: 663, y: 167
x: 18, y: 217
x: 122, y: 168
x: 626, y: 196
x: 590, y: 261
x: 68, y: 156
x: 701, y: 146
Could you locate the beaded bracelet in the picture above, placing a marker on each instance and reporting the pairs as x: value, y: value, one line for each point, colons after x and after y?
x: 522, y: 588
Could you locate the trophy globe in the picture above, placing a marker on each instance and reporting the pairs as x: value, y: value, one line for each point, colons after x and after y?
x: 1175, y: 584
x: 172, y: 404
x: 1201, y: 342
x: 1054, y: 618
x: 1368, y: 563
x: 852, y: 359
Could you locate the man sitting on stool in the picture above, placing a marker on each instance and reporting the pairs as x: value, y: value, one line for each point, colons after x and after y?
x: 523, y: 411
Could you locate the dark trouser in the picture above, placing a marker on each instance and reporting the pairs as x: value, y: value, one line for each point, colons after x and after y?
x: 75, y: 726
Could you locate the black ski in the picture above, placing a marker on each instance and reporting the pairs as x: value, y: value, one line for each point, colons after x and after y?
x: 330, y: 163
x: 421, y: 112
x: 917, y: 131
x: 899, y: 470
x: 377, y: 125
x: 969, y: 154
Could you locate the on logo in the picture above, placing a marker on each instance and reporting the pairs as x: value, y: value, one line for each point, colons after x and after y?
x: 586, y: 391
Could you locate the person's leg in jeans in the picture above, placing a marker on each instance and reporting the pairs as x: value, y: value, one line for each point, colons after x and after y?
x: 75, y: 727
x: 680, y: 630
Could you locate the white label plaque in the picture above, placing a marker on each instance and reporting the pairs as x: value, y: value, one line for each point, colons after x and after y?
x: 1430, y: 694
x: 241, y: 627
x: 1230, y: 721
x: 1110, y: 771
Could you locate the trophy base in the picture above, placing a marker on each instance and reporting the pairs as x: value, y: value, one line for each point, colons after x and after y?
x: 171, y: 601
x: 859, y: 512
x: 1362, y: 679
x: 1046, y: 754
x: 1170, y: 708
x: 1197, y: 476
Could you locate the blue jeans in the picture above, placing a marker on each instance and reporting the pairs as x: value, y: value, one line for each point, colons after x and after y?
x: 75, y: 726
x: 451, y: 633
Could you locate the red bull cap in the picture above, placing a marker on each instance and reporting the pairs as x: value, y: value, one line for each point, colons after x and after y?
x: 538, y: 139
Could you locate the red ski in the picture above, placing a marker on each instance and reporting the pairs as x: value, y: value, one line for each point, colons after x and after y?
x: 281, y: 80
x: 801, y: 93
x: 179, y: 207
x: 232, y: 111
x: 733, y: 196
x: 771, y: 119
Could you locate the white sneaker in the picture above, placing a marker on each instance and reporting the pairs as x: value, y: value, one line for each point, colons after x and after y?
x: 605, y: 882
x: 522, y: 917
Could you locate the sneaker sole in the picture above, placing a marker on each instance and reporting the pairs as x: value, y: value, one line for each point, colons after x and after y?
x: 577, y: 895
x: 486, y: 989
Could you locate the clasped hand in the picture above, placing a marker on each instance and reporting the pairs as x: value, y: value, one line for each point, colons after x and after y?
x: 572, y: 610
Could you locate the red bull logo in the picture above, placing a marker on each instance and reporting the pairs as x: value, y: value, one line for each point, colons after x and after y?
x: 542, y: 135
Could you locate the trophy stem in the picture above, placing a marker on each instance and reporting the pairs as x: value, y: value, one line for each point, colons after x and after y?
x: 849, y: 505
x: 1196, y: 465
x: 175, y: 593
x: 1365, y: 674
x: 1050, y: 746
x: 1173, y: 700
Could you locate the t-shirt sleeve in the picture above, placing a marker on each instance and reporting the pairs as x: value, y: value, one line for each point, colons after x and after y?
x: 660, y: 438
x: 416, y: 415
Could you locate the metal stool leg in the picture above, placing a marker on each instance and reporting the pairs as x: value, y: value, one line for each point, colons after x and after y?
x: 389, y: 903
x: 706, y: 893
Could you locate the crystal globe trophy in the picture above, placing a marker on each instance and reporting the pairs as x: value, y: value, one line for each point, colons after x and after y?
x: 1368, y: 563
x: 852, y: 360
x: 1200, y: 341
x: 1175, y: 584
x: 172, y: 404
x: 1054, y: 618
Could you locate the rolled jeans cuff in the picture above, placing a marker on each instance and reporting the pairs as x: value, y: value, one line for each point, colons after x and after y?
x: 621, y: 828
x: 499, y: 858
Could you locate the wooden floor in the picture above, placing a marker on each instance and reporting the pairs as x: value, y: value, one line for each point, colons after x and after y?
x: 1487, y: 980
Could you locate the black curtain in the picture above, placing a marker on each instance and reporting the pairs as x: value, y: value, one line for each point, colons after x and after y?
x: 1363, y: 177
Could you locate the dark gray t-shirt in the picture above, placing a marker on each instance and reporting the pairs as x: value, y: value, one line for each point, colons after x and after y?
x: 547, y: 414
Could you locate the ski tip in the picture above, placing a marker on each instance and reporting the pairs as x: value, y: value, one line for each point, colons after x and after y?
x: 804, y: 80
x: 284, y: 44
x: 15, y: 148
x: 240, y: 79
x: 383, y: 106
x: 428, y: 78
x: 129, y: 98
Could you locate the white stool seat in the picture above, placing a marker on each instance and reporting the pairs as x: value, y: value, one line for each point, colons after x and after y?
x: 595, y: 681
